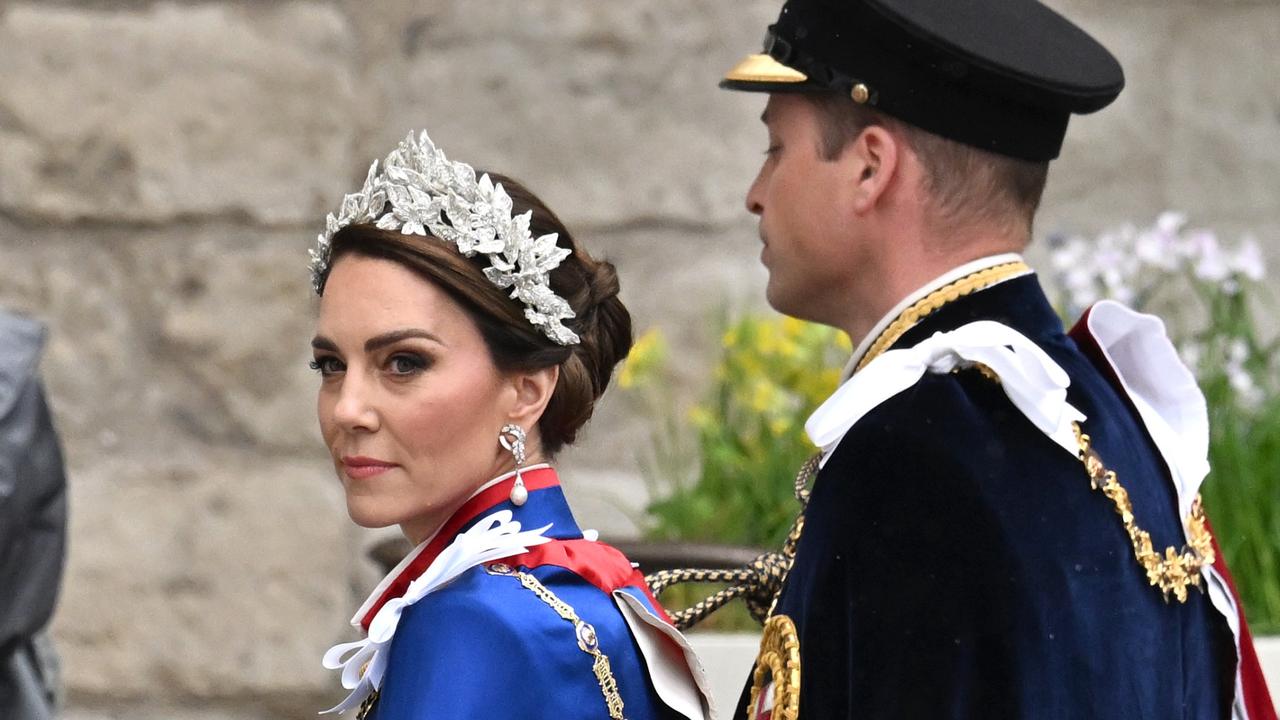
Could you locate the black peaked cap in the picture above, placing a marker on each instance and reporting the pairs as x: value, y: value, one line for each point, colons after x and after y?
x: 1000, y: 75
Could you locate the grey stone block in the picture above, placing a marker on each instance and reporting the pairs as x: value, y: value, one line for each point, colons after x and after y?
x: 169, y: 110
x: 608, y: 110
x: 194, y: 332
x: 1225, y: 141
x: 234, y: 313
x: 203, y: 573
x: 1113, y: 162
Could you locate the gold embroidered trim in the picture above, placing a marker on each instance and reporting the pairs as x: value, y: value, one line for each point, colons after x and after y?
x: 1175, y: 570
x: 930, y: 303
x: 779, y: 663
x: 588, y: 642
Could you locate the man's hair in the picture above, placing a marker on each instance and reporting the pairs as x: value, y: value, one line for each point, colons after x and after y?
x: 965, y: 184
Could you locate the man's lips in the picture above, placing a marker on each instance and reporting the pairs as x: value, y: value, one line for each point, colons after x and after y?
x: 360, y: 467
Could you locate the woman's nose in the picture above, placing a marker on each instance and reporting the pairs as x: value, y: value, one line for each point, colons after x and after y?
x: 355, y: 410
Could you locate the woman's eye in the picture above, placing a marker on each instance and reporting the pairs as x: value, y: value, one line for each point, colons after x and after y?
x: 405, y: 364
x: 327, y: 365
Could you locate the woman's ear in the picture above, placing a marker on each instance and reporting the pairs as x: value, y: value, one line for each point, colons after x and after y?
x: 532, y: 392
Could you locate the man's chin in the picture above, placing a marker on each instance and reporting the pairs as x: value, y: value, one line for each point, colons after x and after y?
x: 777, y: 297
x: 790, y: 304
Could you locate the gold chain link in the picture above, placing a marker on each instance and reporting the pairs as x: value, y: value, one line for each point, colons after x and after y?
x: 588, y: 641
x: 1175, y: 570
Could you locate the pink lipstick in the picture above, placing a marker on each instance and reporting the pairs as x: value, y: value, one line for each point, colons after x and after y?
x: 359, y: 467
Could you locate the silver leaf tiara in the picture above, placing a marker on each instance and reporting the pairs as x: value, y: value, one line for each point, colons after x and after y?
x: 419, y: 191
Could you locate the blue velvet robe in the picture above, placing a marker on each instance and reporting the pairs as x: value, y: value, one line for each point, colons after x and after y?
x: 956, y: 563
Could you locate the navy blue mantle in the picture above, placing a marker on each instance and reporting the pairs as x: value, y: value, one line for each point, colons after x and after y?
x: 955, y: 562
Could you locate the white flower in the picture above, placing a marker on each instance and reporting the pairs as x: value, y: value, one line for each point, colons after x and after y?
x: 1081, y: 286
x: 1157, y: 246
x: 1170, y: 223
x: 1237, y: 352
x: 1247, y: 260
x: 1069, y: 254
x: 1248, y: 393
x: 1210, y: 260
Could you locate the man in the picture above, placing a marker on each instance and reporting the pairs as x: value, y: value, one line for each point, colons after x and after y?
x: 1005, y: 523
x: 32, y: 524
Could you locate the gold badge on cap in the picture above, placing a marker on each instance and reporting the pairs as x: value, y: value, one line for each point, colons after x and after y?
x: 761, y: 68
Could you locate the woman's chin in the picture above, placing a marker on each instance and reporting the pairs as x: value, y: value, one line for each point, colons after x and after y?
x: 368, y: 515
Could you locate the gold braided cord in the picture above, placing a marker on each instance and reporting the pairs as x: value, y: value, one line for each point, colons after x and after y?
x: 930, y: 303
x: 1176, y: 570
x: 808, y: 471
x: 758, y: 583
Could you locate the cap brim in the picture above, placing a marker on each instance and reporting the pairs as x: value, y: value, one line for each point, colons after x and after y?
x: 761, y: 73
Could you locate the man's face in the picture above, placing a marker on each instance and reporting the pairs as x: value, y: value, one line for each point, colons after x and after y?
x: 801, y: 200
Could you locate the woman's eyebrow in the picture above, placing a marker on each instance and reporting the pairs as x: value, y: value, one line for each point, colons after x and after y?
x: 376, y: 342
x: 388, y: 338
x: 321, y: 342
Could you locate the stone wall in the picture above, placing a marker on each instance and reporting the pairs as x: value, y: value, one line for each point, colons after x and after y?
x: 164, y: 166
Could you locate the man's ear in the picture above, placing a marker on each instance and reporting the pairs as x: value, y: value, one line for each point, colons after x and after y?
x: 532, y: 391
x: 872, y: 161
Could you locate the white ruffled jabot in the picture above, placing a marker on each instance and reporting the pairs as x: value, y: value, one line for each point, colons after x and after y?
x: 1035, y: 384
x: 364, y: 663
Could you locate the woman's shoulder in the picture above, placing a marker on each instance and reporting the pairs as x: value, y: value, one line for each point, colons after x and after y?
x: 534, y: 631
x: 478, y: 600
x: 510, y: 603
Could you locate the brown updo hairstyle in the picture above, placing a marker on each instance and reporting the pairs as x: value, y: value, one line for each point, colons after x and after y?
x: 590, y: 286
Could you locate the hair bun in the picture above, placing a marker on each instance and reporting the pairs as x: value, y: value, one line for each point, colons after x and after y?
x: 603, y: 282
x: 606, y: 324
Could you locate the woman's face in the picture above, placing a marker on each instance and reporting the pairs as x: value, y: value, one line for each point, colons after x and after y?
x: 410, y: 402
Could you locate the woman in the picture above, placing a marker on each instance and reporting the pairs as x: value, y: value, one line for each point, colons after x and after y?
x: 463, y: 339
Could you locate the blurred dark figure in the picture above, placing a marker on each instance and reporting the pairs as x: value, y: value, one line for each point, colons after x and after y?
x: 33, y: 513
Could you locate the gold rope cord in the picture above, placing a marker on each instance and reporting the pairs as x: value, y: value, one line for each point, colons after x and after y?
x: 758, y: 583
x: 1175, y: 570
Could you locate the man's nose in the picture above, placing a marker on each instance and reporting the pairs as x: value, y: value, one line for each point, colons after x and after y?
x: 754, y: 195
